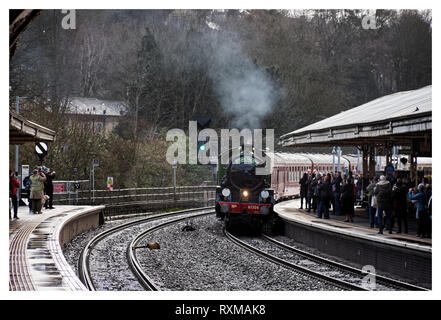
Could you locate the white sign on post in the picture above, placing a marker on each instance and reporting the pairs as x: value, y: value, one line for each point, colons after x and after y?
x: 24, y: 173
x: 110, y: 183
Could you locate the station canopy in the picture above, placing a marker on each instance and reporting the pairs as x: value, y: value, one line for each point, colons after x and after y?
x: 400, y: 119
x: 23, y: 131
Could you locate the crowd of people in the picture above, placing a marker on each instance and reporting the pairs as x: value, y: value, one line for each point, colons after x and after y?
x: 39, y: 187
x: 388, y: 198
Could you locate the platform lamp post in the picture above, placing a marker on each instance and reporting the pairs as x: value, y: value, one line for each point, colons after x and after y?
x: 338, y: 158
x: 333, y: 160
x: 358, y: 160
x: 95, y: 163
x: 17, y: 150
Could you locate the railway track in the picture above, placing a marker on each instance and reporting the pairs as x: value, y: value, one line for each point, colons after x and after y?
x: 382, y: 280
x: 272, y: 258
x: 84, y: 259
x: 330, y: 271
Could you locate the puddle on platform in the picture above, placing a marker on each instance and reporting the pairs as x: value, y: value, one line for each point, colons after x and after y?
x: 45, y: 267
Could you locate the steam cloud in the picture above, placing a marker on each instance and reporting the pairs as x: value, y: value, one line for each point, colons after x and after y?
x: 245, y: 90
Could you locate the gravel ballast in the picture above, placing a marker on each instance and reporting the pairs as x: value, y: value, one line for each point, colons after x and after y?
x: 202, y: 259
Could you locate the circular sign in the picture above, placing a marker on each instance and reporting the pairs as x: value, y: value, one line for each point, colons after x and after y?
x: 41, y: 148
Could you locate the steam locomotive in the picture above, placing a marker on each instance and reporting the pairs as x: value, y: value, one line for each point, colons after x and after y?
x: 243, y: 197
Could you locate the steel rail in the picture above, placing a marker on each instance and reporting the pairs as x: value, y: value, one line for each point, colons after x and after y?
x: 382, y: 279
x: 340, y: 283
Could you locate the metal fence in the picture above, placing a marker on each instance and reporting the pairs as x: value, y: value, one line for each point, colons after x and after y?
x: 72, y: 195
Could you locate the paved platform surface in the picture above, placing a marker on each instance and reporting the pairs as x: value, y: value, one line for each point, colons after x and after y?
x: 290, y: 210
x: 36, y: 260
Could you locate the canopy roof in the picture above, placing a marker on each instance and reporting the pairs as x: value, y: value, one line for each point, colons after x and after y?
x: 400, y: 118
x: 23, y: 131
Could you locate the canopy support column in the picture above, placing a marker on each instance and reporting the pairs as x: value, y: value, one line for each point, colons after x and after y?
x: 371, y: 161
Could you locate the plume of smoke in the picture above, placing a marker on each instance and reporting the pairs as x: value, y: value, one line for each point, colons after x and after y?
x: 245, y: 90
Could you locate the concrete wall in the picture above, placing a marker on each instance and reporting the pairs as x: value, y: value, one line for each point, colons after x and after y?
x: 86, y: 221
x: 408, y: 264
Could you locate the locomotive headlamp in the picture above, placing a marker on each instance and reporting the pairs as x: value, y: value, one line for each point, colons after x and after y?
x: 226, y: 192
x: 264, y: 194
x: 245, y: 194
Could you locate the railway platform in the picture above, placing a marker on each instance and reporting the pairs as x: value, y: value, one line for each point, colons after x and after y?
x: 399, y: 255
x: 36, y: 260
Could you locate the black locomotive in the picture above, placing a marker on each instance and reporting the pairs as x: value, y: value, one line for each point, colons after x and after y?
x: 244, y: 200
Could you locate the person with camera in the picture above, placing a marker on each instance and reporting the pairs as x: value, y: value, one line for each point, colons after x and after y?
x: 13, y: 185
x: 37, y: 189
x: 49, y: 187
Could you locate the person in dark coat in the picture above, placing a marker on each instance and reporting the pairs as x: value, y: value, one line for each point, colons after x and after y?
x: 13, y: 185
x: 310, y: 191
x: 325, y: 195
x: 336, y: 187
x: 383, y: 192
x: 49, y: 187
x: 399, y: 196
x: 304, y: 190
x: 314, y: 184
x: 347, y: 199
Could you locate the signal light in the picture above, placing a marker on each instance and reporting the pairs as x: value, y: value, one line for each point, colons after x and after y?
x: 202, y: 147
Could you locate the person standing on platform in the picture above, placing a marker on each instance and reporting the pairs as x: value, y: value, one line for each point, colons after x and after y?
x: 310, y: 193
x: 315, y: 191
x: 303, y: 190
x: 383, y: 192
x: 325, y: 194
x: 347, y: 199
x: 37, y: 190
x: 399, y: 194
x: 49, y: 187
x: 27, y: 187
x: 13, y: 185
x: 372, y: 210
x: 422, y: 214
x: 336, y: 187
